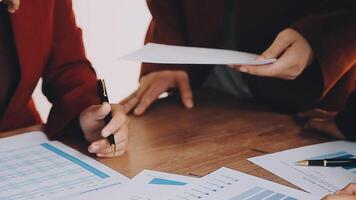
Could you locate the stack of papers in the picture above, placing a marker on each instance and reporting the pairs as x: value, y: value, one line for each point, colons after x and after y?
x: 31, y: 167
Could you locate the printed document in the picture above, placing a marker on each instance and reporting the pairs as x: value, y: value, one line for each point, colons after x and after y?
x: 319, y: 181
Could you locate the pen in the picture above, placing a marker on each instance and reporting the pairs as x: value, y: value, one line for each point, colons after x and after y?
x: 329, y: 162
x: 104, y: 98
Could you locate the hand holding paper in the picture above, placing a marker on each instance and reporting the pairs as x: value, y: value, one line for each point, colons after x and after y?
x: 293, y: 52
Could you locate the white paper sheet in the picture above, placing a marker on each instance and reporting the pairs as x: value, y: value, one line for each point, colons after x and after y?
x: 316, y: 180
x: 170, y: 54
x: 149, y: 185
x: 228, y: 184
x: 26, y: 139
x: 43, y: 170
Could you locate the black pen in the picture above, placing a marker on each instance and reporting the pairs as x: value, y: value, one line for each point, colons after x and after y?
x: 104, y: 98
x: 337, y: 162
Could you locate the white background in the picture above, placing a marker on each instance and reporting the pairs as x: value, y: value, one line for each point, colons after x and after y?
x: 111, y: 28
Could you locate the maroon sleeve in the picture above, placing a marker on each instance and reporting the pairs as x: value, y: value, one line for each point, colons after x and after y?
x: 69, y: 81
x: 168, y: 26
x: 331, y: 31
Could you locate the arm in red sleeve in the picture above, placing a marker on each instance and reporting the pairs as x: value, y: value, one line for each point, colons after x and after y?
x: 69, y: 81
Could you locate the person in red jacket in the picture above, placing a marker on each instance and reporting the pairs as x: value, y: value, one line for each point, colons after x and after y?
x: 313, y: 41
x: 41, y: 40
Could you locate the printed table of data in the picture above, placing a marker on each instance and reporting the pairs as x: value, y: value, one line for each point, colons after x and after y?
x: 227, y: 184
x: 45, y: 171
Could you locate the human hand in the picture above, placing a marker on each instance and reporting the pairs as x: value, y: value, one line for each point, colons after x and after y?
x: 93, y: 125
x: 12, y: 5
x: 153, y: 85
x: 348, y: 193
x: 293, y: 54
x: 323, y: 121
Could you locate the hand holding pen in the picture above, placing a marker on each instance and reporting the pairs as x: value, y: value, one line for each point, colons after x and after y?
x: 97, y: 130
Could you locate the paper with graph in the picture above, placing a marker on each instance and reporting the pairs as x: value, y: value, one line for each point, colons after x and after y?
x: 35, y: 168
x: 149, y: 185
x: 171, y: 54
x: 316, y: 180
x: 228, y: 184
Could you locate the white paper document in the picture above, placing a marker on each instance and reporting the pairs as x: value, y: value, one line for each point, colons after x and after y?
x: 44, y: 170
x: 319, y: 181
x: 149, y: 185
x: 228, y: 184
x: 170, y: 54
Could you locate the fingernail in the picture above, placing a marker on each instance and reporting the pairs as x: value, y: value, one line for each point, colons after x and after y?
x: 100, y: 155
x: 93, y: 148
x: 105, y: 133
x: 190, y: 103
x: 137, y: 111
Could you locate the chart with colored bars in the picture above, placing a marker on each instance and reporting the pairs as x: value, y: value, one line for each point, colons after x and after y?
x: 340, y: 154
x: 259, y: 193
x: 46, y: 172
x: 228, y: 184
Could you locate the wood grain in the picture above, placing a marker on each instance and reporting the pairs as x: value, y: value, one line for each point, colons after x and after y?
x: 219, y: 131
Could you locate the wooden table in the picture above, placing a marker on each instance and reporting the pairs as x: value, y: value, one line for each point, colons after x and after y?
x: 219, y: 131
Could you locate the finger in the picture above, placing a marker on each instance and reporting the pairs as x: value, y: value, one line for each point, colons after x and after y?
x: 98, y: 145
x: 111, y: 155
x: 122, y: 135
x: 326, y: 126
x: 185, y: 90
x: 317, y: 113
x: 279, y: 45
x: 147, y: 99
x: 119, y: 147
x: 118, y: 119
x: 13, y: 5
x: 100, y: 111
x: 279, y: 69
x: 339, y: 197
x: 269, y: 70
x: 130, y: 102
x: 316, y: 124
x: 349, y: 189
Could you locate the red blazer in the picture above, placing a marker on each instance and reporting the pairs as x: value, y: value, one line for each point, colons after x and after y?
x: 49, y: 46
x: 328, y: 25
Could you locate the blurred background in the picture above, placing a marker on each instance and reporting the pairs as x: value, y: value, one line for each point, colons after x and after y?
x: 111, y: 29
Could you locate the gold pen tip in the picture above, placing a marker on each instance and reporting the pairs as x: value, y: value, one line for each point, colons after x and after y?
x: 113, y: 149
x: 302, y: 163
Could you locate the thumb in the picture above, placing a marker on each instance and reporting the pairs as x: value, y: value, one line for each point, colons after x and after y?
x: 100, y: 111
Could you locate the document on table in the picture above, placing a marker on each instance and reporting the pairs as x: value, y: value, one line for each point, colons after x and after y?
x: 316, y: 180
x: 34, y: 168
x: 170, y: 54
x: 227, y: 184
x: 149, y: 185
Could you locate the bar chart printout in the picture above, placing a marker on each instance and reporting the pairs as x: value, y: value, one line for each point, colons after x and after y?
x: 51, y: 171
x: 227, y: 184
x: 319, y: 181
